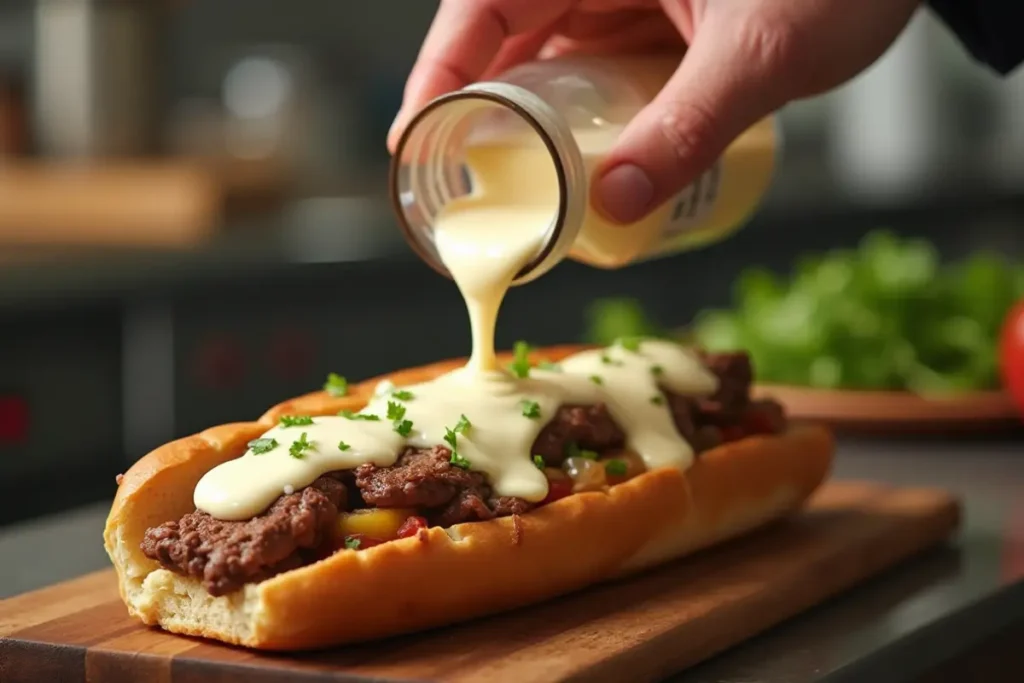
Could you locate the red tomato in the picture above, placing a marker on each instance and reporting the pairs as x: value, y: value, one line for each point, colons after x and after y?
x: 412, y: 526
x: 557, y: 488
x: 361, y: 541
x: 1011, y: 354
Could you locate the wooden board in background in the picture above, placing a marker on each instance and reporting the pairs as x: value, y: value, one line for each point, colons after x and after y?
x: 640, y: 629
x: 898, y: 412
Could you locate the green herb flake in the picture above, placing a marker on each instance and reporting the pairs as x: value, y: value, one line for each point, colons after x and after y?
x: 404, y: 427
x: 403, y: 395
x: 463, y: 425
x: 342, y: 446
x: 365, y: 417
x: 520, y: 365
x: 352, y: 543
x: 531, y: 409
x: 657, y: 370
x: 295, y: 420
x: 299, y: 447
x: 396, y: 411
x: 549, y: 366
x: 589, y: 455
x: 336, y: 385
x: 261, y: 446
x: 608, y: 360
x: 451, y: 438
x: 597, y: 379
x: 616, y: 468
x: 658, y: 400
x: 538, y: 460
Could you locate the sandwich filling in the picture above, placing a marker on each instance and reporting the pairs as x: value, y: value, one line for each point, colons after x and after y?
x: 577, y: 448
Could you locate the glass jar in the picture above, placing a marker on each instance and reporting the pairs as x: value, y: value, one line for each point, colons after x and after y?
x: 536, y: 134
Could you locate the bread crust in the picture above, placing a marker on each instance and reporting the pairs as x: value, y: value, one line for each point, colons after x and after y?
x: 465, y: 571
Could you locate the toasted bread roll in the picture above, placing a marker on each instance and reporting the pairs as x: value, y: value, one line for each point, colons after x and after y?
x: 443, y: 576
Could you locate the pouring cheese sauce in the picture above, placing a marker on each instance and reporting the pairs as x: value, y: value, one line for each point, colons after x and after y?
x: 488, y: 415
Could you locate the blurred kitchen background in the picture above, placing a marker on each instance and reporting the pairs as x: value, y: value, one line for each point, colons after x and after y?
x: 194, y: 223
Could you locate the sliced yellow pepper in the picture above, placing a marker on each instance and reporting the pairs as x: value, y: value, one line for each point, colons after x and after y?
x: 376, y: 523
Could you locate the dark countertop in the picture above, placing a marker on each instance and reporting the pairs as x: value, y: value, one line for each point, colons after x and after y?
x: 892, y: 628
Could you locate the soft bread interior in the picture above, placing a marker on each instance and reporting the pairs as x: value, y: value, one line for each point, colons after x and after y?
x: 504, y: 563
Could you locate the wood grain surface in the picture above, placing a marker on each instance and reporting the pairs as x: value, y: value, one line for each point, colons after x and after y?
x: 641, y: 629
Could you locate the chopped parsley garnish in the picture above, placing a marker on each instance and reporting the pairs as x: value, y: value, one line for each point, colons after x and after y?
x: 352, y: 543
x: 463, y: 425
x: 538, y: 460
x: 520, y: 365
x: 629, y: 343
x: 658, y: 400
x: 403, y: 395
x: 549, y: 366
x: 616, y: 468
x: 342, y: 446
x: 298, y: 448
x: 404, y: 427
x: 296, y: 420
x: 352, y: 415
x: 452, y: 439
x: 608, y: 360
x: 597, y: 379
x: 573, y: 450
x: 531, y: 409
x: 396, y: 411
x: 657, y: 370
x: 261, y: 446
x: 336, y: 385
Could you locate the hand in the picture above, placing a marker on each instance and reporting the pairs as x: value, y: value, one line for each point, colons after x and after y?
x: 745, y: 59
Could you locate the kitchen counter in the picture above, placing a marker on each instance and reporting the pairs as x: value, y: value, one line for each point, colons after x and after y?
x: 894, y: 628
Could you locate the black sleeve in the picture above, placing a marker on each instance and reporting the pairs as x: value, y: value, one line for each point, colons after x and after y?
x: 991, y: 30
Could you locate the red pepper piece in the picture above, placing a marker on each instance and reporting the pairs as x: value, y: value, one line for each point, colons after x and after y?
x: 557, y: 488
x: 411, y: 526
x: 733, y: 433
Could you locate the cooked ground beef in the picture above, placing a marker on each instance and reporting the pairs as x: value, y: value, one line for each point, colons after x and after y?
x: 227, y: 555
x: 735, y: 375
x: 424, y: 478
x: 589, y: 427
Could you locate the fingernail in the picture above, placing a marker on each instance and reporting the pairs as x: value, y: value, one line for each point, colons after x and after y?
x: 625, y: 193
x: 394, y: 129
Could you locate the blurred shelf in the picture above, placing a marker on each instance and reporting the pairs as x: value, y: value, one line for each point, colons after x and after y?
x: 349, y: 230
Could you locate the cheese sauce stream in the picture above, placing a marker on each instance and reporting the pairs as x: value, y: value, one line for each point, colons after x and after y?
x: 484, y: 240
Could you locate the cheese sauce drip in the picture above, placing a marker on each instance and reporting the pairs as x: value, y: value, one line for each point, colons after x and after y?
x: 490, y: 415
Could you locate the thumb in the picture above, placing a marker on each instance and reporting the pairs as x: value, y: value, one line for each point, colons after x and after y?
x: 728, y: 80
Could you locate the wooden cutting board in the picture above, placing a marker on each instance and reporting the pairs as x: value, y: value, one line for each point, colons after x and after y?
x: 639, y: 630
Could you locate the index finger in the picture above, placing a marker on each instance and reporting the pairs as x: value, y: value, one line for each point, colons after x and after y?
x: 463, y: 40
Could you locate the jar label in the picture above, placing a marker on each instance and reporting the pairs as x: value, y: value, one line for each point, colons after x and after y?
x: 694, y: 203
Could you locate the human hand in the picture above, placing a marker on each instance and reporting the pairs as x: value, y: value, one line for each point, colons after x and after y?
x: 744, y: 60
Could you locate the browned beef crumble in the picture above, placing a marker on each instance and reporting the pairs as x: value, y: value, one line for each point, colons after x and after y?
x: 227, y: 555
x: 424, y: 478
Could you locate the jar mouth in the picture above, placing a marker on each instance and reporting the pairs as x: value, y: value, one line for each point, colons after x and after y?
x: 419, y: 240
